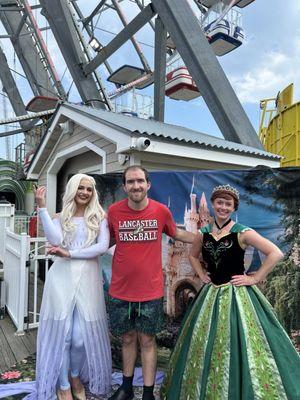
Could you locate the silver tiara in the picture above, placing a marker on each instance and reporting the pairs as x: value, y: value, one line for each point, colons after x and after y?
x: 227, y: 188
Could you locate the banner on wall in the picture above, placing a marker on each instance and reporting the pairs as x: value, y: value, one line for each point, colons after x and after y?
x: 269, y: 203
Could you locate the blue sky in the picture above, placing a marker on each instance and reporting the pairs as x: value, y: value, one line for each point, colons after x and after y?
x: 267, y: 61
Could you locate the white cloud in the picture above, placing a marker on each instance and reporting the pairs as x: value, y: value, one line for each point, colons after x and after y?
x: 275, y: 71
x: 269, y: 58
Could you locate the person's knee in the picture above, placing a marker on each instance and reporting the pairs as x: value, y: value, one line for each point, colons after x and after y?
x: 129, y: 338
x: 146, y: 341
x: 77, y: 342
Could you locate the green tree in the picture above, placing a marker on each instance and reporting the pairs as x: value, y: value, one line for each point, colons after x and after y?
x: 283, y: 285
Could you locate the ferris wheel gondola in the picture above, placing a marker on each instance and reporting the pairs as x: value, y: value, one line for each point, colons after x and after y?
x: 222, y: 27
x: 244, y: 3
x: 238, y: 3
x: 224, y: 38
x: 180, y: 85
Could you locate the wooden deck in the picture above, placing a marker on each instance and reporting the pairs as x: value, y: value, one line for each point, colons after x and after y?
x: 14, y: 348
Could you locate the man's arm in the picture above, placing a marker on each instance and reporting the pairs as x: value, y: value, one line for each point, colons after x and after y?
x: 112, y: 241
x: 184, y: 236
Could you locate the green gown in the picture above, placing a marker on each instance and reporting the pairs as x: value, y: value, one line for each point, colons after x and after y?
x: 231, y: 345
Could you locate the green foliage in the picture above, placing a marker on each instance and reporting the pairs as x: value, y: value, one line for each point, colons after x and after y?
x: 283, y: 291
x: 282, y: 186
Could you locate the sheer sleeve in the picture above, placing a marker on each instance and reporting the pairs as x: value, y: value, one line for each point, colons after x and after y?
x: 52, y: 227
x: 95, y: 249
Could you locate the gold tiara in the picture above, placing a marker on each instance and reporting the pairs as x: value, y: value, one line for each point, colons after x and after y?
x: 227, y: 188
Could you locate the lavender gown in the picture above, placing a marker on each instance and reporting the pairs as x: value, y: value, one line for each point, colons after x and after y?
x: 71, y: 282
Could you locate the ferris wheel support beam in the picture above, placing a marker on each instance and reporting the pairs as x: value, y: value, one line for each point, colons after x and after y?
x: 10, y: 8
x: 21, y: 23
x: 90, y: 32
x: 198, y: 56
x: 31, y: 50
x: 11, y: 89
x: 135, y: 25
x: 141, y: 6
x: 14, y: 132
x: 62, y: 25
x: 159, y: 69
x: 133, y: 39
x: 94, y: 13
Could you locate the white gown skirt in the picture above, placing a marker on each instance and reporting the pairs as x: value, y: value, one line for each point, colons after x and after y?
x: 73, y: 283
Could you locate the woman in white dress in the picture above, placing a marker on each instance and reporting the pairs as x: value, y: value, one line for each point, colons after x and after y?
x: 73, y: 343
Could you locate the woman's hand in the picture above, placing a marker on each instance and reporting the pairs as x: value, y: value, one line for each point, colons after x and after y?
x: 39, y: 194
x: 58, y: 251
x: 205, y: 277
x: 243, y: 280
x: 272, y: 253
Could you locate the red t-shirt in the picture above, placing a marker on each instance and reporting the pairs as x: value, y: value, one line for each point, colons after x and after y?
x: 137, y: 262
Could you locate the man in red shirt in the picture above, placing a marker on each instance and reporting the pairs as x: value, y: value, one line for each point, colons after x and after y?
x: 136, y: 290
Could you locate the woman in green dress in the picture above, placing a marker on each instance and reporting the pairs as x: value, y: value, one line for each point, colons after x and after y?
x: 231, y: 345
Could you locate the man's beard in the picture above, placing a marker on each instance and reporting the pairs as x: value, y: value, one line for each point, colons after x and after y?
x: 142, y: 194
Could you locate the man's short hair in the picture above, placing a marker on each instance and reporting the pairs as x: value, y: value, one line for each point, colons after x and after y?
x: 134, y: 167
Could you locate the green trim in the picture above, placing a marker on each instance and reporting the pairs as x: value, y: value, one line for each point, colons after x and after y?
x: 237, y: 227
x: 232, y: 347
x: 17, y: 189
x: 170, y: 389
x: 192, y: 376
x: 265, y: 377
x: 8, y: 182
x: 217, y: 385
x: 240, y: 386
x: 8, y: 163
x: 206, y: 229
x: 283, y: 350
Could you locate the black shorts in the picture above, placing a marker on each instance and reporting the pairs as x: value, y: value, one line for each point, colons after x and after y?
x: 145, y: 316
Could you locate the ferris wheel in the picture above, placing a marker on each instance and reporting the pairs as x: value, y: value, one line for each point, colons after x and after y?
x: 220, y: 22
x: 111, y: 50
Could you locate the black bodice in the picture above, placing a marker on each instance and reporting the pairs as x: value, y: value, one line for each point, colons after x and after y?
x: 224, y: 257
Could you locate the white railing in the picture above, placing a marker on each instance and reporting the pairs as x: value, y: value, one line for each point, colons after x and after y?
x: 39, y: 262
x: 16, y: 277
x: 24, y: 259
x: 7, y: 212
x: 133, y: 102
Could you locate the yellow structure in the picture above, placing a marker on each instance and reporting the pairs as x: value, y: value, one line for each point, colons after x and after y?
x: 279, y: 129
